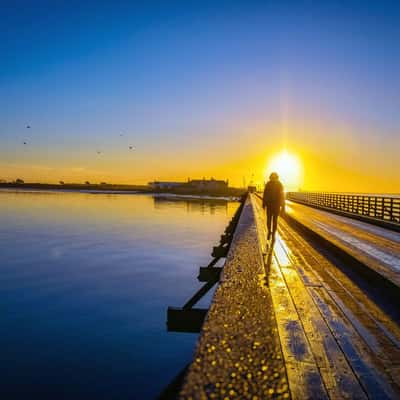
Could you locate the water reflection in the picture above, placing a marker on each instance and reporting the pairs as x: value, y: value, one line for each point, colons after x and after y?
x: 84, y: 281
x: 192, y: 204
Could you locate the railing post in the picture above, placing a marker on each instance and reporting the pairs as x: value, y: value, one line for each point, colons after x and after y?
x: 357, y: 205
x: 369, y: 206
x: 391, y: 209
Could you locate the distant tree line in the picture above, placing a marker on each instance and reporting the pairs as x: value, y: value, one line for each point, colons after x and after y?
x: 18, y: 181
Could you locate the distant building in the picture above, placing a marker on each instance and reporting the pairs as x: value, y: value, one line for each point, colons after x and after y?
x: 193, y: 184
x: 165, y: 185
x: 208, y: 184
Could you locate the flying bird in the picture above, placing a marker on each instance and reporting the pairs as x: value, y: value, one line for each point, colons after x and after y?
x: 98, y: 152
x: 28, y: 127
x: 132, y: 148
x: 24, y: 142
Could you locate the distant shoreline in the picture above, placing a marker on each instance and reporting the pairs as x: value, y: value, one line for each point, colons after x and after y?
x: 74, y: 186
x: 182, y: 192
x: 227, y: 194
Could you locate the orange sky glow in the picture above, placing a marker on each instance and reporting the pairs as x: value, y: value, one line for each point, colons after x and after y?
x: 330, y: 159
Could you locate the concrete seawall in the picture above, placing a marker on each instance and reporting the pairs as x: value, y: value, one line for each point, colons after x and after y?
x: 238, y: 354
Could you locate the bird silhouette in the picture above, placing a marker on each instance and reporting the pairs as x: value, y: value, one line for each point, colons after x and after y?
x: 132, y: 148
x: 24, y: 142
x: 28, y: 127
x: 98, y: 152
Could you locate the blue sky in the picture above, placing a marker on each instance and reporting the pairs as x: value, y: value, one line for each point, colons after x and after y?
x: 209, y: 84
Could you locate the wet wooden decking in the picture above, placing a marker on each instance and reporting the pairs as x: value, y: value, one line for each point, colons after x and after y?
x: 312, y: 333
x: 375, y: 247
x: 337, y: 343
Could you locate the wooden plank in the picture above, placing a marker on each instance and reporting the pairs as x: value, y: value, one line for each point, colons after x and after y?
x: 303, y: 375
x: 207, y: 274
x: 305, y: 381
x: 357, y: 312
x: 295, y: 346
x: 395, y: 374
x: 335, y: 281
x: 367, y: 366
x: 368, y: 329
x: 336, y: 373
x: 377, y: 330
x: 309, y: 276
x: 180, y: 320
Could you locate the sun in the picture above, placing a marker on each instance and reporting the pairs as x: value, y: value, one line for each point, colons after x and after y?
x: 289, y: 168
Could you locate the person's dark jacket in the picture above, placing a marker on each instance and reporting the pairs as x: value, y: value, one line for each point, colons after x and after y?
x: 274, y: 197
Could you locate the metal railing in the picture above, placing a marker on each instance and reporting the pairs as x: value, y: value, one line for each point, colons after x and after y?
x: 383, y: 208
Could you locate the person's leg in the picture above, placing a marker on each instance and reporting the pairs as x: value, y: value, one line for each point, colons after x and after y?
x: 269, y: 221
x: 274, y: 223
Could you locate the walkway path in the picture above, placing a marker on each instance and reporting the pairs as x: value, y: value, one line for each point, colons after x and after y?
x: 376, y: 247
x: 287, y: 322
x: 331, y: 332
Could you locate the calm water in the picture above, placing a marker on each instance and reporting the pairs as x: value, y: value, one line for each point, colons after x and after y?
x: 85, y: 281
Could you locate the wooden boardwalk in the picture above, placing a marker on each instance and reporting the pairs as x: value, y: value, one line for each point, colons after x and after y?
x: 332, y: 334
x: 312, y: 333
x: 377, y: 248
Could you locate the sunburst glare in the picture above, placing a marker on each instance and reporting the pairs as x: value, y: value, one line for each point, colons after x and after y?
x: 289, y: 168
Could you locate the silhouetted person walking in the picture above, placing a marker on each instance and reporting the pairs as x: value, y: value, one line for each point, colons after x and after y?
x: 274, y: 201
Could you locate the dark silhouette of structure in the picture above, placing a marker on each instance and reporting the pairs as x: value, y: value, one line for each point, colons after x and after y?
x: 198, y: 184
x: 274, y: 202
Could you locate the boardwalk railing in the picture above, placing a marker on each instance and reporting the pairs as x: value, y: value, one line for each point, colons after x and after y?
x: 377, y: 207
